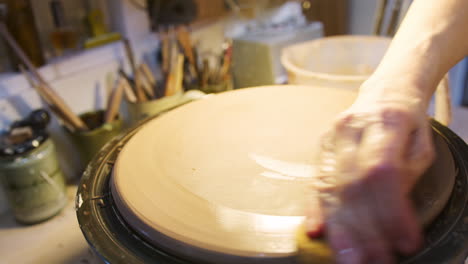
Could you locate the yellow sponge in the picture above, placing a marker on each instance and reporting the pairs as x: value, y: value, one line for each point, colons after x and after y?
x: 312, y: 251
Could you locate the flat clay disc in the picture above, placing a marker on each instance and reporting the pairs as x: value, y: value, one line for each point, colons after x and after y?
x: 224, y: 179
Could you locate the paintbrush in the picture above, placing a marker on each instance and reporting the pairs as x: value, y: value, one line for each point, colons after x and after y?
x: 44, y: 97
x: 165, y: 50
x: 186, y: 43
x: 174, y: 54
x: 136, y: 76
x: 179, y: 74
x: 114, y: 101
x: 379, y: 17
x: 146, y: 85
x: 129, y: 93
x: 148, y: 74
x: 393, y: 24
x: 54, y: 98
x: 150, y: 80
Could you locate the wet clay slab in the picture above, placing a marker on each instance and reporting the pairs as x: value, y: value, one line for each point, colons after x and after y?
x: 224, y: 179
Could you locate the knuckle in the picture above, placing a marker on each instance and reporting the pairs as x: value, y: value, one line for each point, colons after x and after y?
x: 382, y: 169
x: 343, y: 121
x: 392, y: 114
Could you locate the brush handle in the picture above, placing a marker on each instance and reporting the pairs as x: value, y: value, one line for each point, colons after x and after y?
x: 54, y: 98
x: 136, y: 76
x: 148, y: 74
x: 114, y: 102
x: 129, y: 93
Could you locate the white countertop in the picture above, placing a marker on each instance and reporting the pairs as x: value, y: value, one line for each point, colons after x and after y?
x: 60, y: 241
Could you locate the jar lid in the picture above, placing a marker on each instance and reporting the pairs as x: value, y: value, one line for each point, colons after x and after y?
x: 25, y: 135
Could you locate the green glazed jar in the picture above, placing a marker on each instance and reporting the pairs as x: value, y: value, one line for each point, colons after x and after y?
x: 34, y: 183
x: 88, y: 143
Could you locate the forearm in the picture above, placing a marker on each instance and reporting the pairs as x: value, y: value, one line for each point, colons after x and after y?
x: 432, y: 38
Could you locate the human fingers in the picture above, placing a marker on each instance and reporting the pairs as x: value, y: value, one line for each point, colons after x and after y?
x: 351, y: 227
x: 421, y: 152
x: 382, y: 157
x: 358, y: 217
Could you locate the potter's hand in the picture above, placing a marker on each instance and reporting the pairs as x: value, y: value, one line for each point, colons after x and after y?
x: 369, y: 161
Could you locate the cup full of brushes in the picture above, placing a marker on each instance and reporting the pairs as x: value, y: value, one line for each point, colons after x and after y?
x: 89, y: 142
x: 146, y: 97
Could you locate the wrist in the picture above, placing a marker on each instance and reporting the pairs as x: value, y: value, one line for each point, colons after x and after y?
x: 391, y: 90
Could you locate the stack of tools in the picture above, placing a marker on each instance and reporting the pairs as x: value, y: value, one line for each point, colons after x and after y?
x: 142, y: 87
x: 181, y: 67
x: 68, y: 118
x: 55, y: 102
x: 217, y: 78
x: 184, y: 66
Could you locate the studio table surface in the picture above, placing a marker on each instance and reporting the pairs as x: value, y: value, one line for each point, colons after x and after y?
x: 59, y: 240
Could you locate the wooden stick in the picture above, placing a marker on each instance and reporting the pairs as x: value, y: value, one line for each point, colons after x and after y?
x: 28, y: 77
x: 379, y: 16
x: 129, y: 53
x: 170, y: 79
x: 184, y: 39
x: 55, y: 99
x: 153, y: 85
x: 129, y: 94
x: 393, y: 25
x: 114, y: 102
x: 148, y: 74
x: 146, y: 83
x: 136, y: 77
x: 179, y: 74
x: 140, y: 92
x: 165, y: 50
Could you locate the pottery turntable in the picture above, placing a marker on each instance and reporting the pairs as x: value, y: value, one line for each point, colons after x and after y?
x: 223, y: 180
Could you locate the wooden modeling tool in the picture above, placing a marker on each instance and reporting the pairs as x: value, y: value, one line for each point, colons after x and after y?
x: 136, y: 76
x: 393, y: 24
x: 46, y: 98
x: 183, y: 36
x: 149, y: 83
x: 379, y: 16
x: 170, y: 79
x: 54, y: 98
x: 129, y: 93
x: 144, y: 68
x: 147, y: 87
x: 165, y: 50
x: 179, y: 74
x: 114, y: 102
